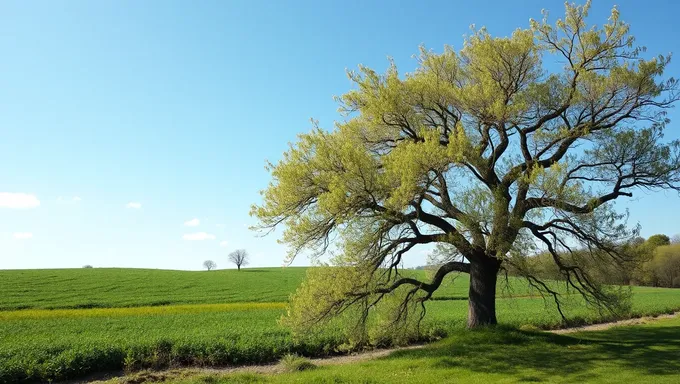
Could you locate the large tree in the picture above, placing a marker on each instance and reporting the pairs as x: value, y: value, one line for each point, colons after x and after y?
x: 487, y: 153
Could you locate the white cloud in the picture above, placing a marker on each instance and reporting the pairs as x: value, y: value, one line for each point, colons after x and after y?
x: 76, y: 198
x: 192, y: 223
x: 198, y: 236
x: 18, y: 200
x: 224, y: 243
x: 22, y: 235
x: 133, y: 205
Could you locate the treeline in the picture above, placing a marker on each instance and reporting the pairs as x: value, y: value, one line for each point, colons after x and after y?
x: 663, y: 267
x: 652, y: 262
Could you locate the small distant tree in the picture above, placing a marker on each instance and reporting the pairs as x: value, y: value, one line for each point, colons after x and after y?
x: 87, y: 266
x: 239, y: 257
x: 209, y: 265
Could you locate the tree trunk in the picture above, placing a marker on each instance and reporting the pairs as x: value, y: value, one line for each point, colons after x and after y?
x: 482, y: 295
x: 238, y: 266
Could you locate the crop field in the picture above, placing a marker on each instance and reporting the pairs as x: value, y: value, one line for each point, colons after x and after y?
x: 119, y: 287
x: 215, y: 318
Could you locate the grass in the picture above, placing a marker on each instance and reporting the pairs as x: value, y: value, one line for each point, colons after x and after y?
x: 61, y: 344
x: 119, y: 287
x: 294, y: 363
x: 649, y: 353
x: 41, y: 344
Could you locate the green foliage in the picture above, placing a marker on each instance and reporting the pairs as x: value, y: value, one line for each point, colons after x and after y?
x: 654, y: 262
x: 663, y: 269
x: 308, y: 303
x: 489, y: 156
x: 658, y: 240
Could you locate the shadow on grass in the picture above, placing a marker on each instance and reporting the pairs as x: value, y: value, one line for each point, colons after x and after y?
x: 449, y: 298
x: 647, y: 350
x: 246, y: 270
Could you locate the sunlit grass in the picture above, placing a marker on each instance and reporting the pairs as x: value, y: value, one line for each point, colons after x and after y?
x: 135, y: 311
x: 114, y: 287
x: 634, y: 354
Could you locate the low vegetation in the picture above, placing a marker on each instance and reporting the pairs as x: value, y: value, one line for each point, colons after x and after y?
x: 294, y: 363
x: 41, y: 344
x: 635, y: 354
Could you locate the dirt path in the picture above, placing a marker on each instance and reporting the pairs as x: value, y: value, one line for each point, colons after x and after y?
x: 325, y: 361
x: 603, y: 326
x: 157, y: 376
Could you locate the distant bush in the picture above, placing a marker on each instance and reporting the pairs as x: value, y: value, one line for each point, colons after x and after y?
x: 87, y: 266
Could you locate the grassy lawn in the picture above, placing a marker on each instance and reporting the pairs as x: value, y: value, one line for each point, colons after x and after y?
x: 635, y: 354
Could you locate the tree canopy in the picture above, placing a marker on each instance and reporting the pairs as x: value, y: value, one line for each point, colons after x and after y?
x: 659, y: 240
x: 485, y: 152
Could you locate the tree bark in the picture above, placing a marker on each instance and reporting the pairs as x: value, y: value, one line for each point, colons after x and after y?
x: 238, y: 266
x: 482, y: 294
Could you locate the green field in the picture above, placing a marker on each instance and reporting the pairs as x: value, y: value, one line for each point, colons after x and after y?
x: 118, y: 287
x: 109, y: 319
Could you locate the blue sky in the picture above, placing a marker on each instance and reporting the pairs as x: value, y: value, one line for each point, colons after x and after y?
x: 174, y: 106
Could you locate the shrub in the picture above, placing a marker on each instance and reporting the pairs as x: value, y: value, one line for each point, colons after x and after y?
x: 294, y: 363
